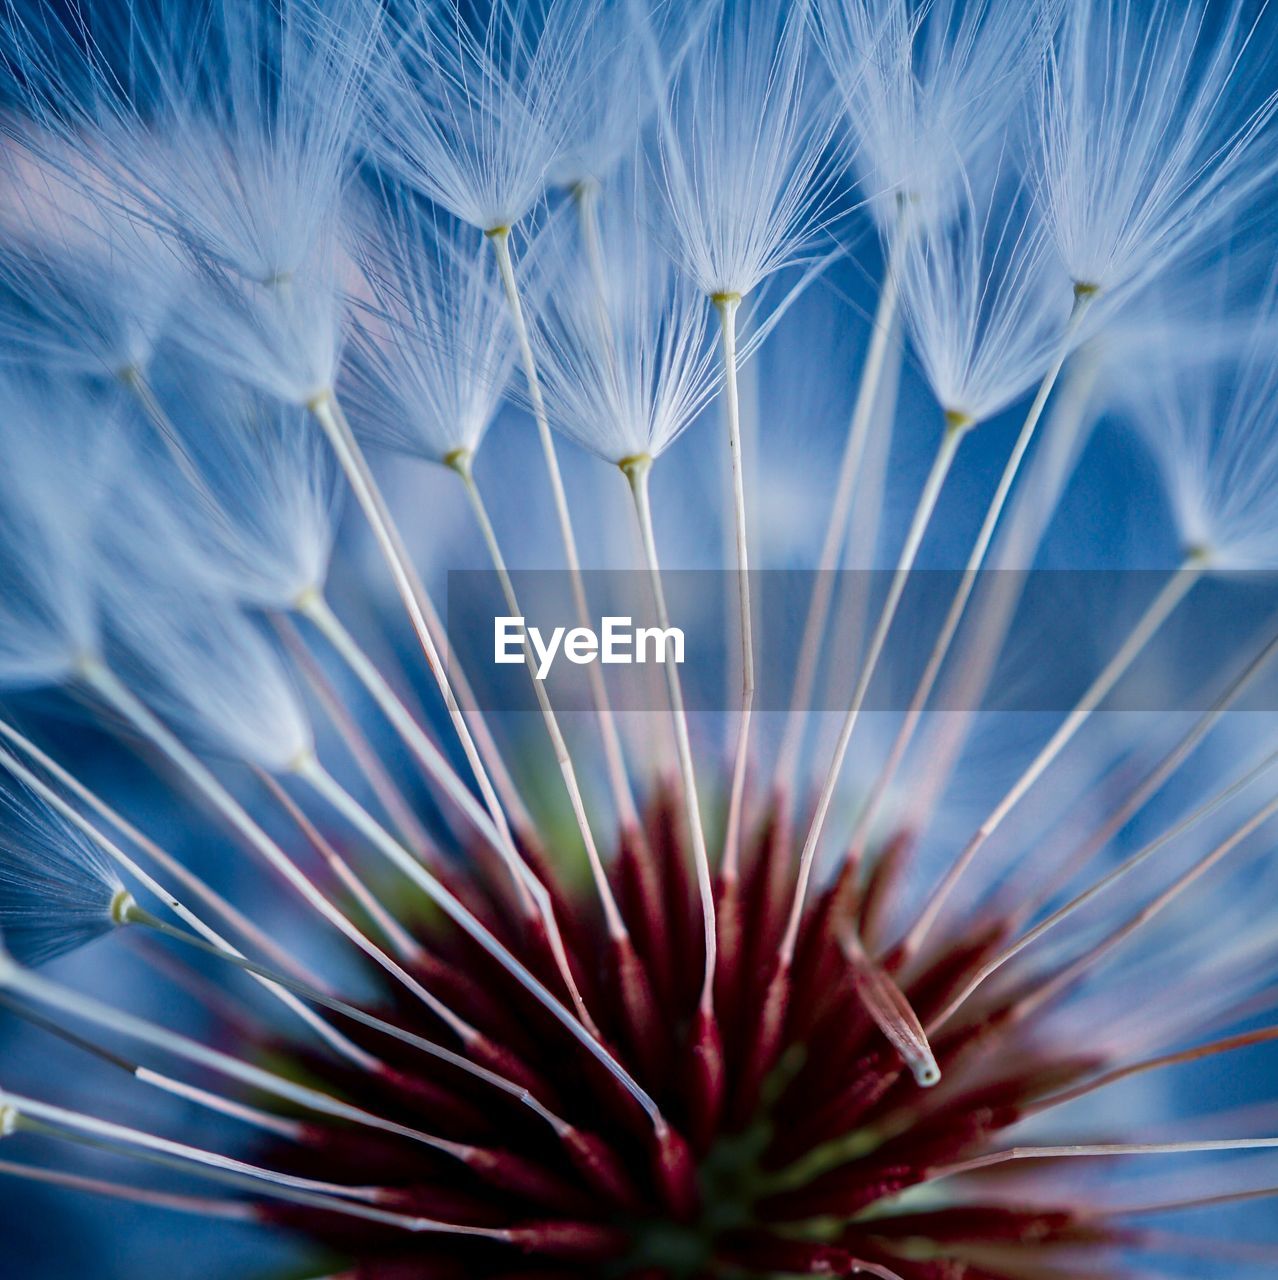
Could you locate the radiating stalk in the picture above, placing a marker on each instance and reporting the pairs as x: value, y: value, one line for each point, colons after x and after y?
x: 991, y: 625
x: 586, y: 196
x: 170, y: 865
x: 460, y: 462
x: 614, y: 756
x: 328, y: 413
x: 316, y: 610
x: 136, y: 381
x: 1159, y: 610
x: 1045, y: 890
x: 1070, y: 975
x: 145, y: 1147
x: 636, y: 471
x: 840, y: 511
x: 956, y: 429
x: 727, y: 305
x: 41, y: 1118
x: 1218, y: 1201
x: 355, y: 739
x: 1121, y: 872
x: 962, y: 594
x: 291, y: 1130
x: 138, y: 916
x: 329, y: 1034
x: 327, y: 787
x: 406, y: 946
x: 200, y: 1206
x: 492, y: 826
x: 1099, y: 1150
x: 74, y: 1004
x: 117, y: 695
x: 849, y: 627
x: 1230, y: 1044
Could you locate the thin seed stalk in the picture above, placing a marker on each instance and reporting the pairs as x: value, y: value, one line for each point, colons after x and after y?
x: 370, y: 764
x: 74, y: 1004
x: 967, y: 583
x: 956, y: 429
x: 331, y: 417
x: 316, y: 610
x: 108, y: 686
x: 1178, y: 585
x: 17, y: 1112
x: 461, y: 464
x: 614, y: 757
x: 1101, y: 886
x: 578, y: 1025
x: 139, y: 916
x: 636, y: 471
x: 727, y: 305
x: 840, y: 512
x: 991, y: 624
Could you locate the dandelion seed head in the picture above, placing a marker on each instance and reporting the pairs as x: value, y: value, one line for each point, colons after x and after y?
x: 1152, y: 131
x: 206, y: 668
x: 87, y: 290
x: 743, y: 149
x: 243, y: 168
x: 986, y: 301
x: 433, y: 350
x: 925, y: 89
x: 628, y: 361
x: 57, y: 891
x: 478, y: 103
x: 249, y: 489
x: 616, y: 82
x: 230, y: 127
x: 283, y: 338
x: 1210, y: 425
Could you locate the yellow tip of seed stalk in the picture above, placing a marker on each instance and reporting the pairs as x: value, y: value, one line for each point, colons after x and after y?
x: 1085, y: 289
x: 459, y: 460
x: 957, y: 420
x: 307, y: 599
x: 87, y: 667
x: 635, y: 464
x: 123, y: 907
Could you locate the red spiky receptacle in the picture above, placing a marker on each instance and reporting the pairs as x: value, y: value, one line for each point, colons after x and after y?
x: 794, y: 1123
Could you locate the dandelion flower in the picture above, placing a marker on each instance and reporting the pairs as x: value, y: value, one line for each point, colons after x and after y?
x: 407, y: 1013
